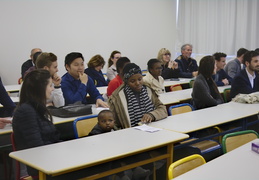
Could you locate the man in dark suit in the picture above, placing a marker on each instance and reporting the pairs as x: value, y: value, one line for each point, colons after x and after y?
x: 247, y: 81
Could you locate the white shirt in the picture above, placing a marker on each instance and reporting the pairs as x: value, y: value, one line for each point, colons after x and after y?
x: 157, y: 85
x: 251, y: 78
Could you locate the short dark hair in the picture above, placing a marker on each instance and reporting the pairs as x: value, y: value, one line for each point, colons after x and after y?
x: 257, y: 50
x: 219, y: 55
x: 45, y: 59
x: 241, y: 51
x: 121, y: 62
x: 249, y: 55
x: 104, y: 112
x: 206, y: 66
x: 151, y: 62
x: 71, y: 57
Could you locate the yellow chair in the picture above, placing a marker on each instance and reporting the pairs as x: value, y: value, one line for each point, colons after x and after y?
x: 84, y: 125
x: 20, y: 80
x: 176, y: 87
x: 180, y: 108
x: 184, y: 165
x: 226, y: 94
x: 234, y: 140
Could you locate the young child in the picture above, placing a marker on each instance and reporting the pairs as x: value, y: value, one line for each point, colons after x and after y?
x: 105, y: 123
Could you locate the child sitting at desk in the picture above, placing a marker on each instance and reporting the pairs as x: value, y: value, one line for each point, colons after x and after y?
x: 105, y: 123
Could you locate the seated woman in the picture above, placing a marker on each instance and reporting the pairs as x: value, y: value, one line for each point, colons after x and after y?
x: 153, y: 78
x: 94, y: 70
x: 112, y: 70
x: 32, y: 122
x: 134, y: 102
x: 76, y: 84
x: 205, y: 92
x: 170, y: 67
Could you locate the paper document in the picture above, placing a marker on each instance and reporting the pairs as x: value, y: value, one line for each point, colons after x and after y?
x: 147, y: 128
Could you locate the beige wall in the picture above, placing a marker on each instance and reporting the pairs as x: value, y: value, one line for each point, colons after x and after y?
x: 137, y: 28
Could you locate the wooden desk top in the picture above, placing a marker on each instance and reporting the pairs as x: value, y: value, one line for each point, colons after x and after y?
x: 55, y: 158
x: 208, y: 117
x: 241, y: 163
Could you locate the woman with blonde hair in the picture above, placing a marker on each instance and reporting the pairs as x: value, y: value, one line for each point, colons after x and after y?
x: 169, y: 67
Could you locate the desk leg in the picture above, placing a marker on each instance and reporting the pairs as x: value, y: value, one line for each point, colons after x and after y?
x: 170, y: 149
x: 42, y: 176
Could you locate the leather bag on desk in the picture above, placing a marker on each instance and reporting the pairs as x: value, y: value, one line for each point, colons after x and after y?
x: 71, y: 110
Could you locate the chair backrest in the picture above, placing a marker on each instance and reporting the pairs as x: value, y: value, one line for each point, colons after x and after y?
x: 144, y: 72
x: 226, y: 94
x: 234, y: 140
x: 20, y: 80
x: 191, y: 83
x: 84, y: 125
x: 176, y: 87
x: 180, y: 108
x: 184, y: 165
x: 19, y: 166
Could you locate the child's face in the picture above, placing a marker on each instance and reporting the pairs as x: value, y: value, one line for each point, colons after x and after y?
x: 106, y: 121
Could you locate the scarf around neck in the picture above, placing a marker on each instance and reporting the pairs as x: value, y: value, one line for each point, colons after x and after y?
x: 137, y: 107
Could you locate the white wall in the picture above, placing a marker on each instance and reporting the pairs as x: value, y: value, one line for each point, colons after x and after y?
x: 137, y: 28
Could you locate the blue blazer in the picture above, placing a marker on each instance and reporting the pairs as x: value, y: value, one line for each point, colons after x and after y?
x: 241, y: 84
x: 97, y: 77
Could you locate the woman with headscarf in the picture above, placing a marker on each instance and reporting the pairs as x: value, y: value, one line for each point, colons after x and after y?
x: 134, y: 103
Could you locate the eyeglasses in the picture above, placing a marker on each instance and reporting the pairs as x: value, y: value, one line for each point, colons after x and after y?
x: 116, y: 57
x: 167, y: 54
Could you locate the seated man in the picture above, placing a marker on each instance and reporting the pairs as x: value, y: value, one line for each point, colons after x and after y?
x: 153, y: 78
x: 34, y: 57
x: 233, y: 67
x: 221, y: 78
x: 49, y: 62
x: 118, y: 80
x: 27, y: 64
x: 76, y: 84
x: 247, y: 81
x: 188, y: 66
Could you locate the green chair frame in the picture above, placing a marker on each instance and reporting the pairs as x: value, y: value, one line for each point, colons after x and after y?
x: 234, y: 140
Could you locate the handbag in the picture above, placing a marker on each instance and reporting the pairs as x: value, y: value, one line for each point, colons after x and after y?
x: 72, y: 110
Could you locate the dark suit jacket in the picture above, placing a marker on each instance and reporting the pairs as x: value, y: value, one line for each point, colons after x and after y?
x: 241, y: 84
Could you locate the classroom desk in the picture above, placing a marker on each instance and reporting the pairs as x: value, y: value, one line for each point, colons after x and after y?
x: 208, y: 117
x: 13, y: 88
x: 94, y: 150
x: 102, y: 90
x: 167, y: 82
x: 240, y: 163
x: 181, y: 95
